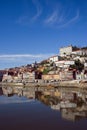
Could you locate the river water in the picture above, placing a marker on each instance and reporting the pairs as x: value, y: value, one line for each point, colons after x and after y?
x: 43, y: 109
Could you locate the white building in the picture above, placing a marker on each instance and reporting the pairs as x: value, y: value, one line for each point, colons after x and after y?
x: 60, y: 63
x: 54, y: 58
x: 7, y: 78
x: 73, y: 50
x: 85, y: 64
x: 66, y: 50
x: 29, y: 76
x: 64, y: 64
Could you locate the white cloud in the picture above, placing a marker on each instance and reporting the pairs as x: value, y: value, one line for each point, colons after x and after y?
x: 58, y: 19
x: 25, y: 19
x: 38, y: 9
x: 70, y: 21
x: 14, y: 60
x: 52, y: 19
x: 24, y: 57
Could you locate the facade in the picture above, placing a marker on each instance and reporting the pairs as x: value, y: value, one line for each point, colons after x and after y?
x: 80, y: 52
x: 64, y: 63
x: 85, y: 64
x: 66, y: 75
x: 26, y: 77
x: 7, y: 78
x: 54, y: 58
x: 29, y: 76
x: 84, y: 51
x: 60, y: 63
x: 66, y: 50
x: 81, y: 75
x: 50, y: 77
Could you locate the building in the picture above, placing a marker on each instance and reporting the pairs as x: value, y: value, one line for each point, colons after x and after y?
x: 80, y: 51
x: 85, y: 65
x: 66, y: 50
x: 60, y: 63
x: 54, y: 58
x: 73, y: 50
x: 7, y: 78
x: 66, y: 75
x: 29, y: 76
x: 50, y: 77
x: 64, y: 63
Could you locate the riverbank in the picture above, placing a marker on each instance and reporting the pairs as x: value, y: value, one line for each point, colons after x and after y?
x: 73, y: 83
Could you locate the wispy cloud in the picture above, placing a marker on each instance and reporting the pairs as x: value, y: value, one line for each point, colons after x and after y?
x: 25, y: 56
x: 26, y: 19
x: 38, y: 9
x: 60, y: 20
x: 52, y: 19
x: 70, y: 21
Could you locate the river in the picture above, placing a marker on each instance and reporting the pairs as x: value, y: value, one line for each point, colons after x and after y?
x: 43, y: 109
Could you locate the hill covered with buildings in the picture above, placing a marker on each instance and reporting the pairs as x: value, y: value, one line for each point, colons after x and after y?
x: 70, y: 64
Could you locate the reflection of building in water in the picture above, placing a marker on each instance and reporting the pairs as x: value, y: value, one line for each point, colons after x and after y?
x: 30, y: 93
x: 71, y: 114
x: 67, y: 114
x: 10, y: 91
x: 7, y: 91
x: 72, y: 103
x: 64, y: 104
x: 1, y: 92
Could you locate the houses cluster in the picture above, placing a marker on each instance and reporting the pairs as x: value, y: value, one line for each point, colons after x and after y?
x: 70, y: 64
x: 20, y: 74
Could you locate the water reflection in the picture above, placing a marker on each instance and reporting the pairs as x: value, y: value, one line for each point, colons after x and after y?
x: 71, y: 102
x: 1, y: 92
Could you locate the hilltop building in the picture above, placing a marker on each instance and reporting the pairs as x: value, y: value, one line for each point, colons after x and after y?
x: 73, y: 50
x: 66, y: 50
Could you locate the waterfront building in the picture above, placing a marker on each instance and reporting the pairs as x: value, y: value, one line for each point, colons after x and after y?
x: 50, y: 77
x: 66, y: 75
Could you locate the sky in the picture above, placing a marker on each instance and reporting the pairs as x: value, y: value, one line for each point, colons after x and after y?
x: 33, y: 30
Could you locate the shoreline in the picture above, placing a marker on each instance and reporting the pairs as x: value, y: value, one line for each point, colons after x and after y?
x: 74, y: 84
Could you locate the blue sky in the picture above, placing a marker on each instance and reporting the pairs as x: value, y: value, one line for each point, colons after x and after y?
x: 32, y: 30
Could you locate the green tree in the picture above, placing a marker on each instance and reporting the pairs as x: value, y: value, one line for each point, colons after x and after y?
x: 78, y: 65
x: 45, y: 71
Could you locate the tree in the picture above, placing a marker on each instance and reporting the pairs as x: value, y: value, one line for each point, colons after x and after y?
x: 45, y: 71
x: 78, y: 65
